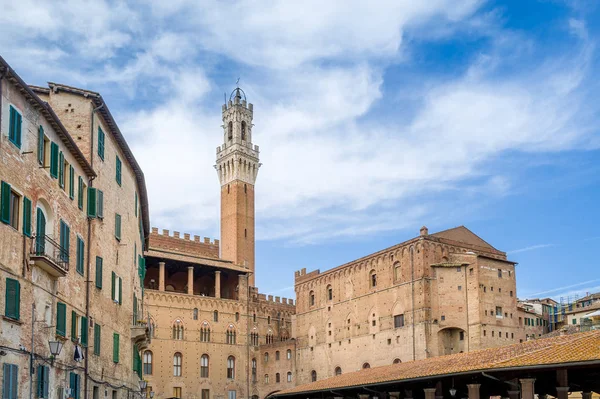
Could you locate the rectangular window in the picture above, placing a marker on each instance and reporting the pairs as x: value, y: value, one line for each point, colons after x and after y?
x: 15, y: 200
x: 113, y: 287
x: 118, y: 170
x: 499, y: 273
x: 461, y: 335
x: 115, y: 347
x: 65, y: 233
x: 12, y: 307
x: 61, y: 170
x: 80, y: 192
x: 71, y: 182
x: 97, y: 338
x: 231, y: 394
x: 92, y: 205
x: 100, y: 143
x: 118, y: 226
x: 460, y: 287
x: 10, y: 381
x: 98, y: 272
x: 14, y: 127
x: 205, y: 394
x: 74, y: 385
x: 43, y: 375
x: 399, y: 321
x: 61, y: 319
x: 177, y: 392
x: 27, y: 216
x: 498, y: 311
x: 100, y: 204
x: 54, y: 159
x: 74, y: 326
x: 40, y: 148
x: 80, y: 255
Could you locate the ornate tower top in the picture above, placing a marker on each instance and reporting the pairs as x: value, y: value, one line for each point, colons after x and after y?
x: 237, y: 158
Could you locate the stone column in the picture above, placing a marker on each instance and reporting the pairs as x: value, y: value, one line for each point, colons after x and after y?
x: 161, y: 276
x: 527, y: 389
x: 190, y: 280
x: 562, y: 392
x: 473, y: 391
x: 514, y: 394
x: 586, y: 395
x: 429, y: 393
x: 217, y: 284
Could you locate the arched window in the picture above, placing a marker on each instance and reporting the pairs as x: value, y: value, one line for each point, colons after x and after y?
x: 231, y: 367
x: 230, y: 335
x: 277, y: 378
x: 254, y: 338
x: 266, y: 378
x: 268, y: 319
x: 311, y: 298
x: 216, y: 315
x: 230, y: 131
x: 288, y: 354
x: 269, y: 338
x: 148, y: 362
x: 396, y: 361
x: 338, y: 371
x: 266, y: 357
x: 289, y: 376
x: 204, y: 366
x: 313, y: 376
x: 253, y: 370
x: 177, y: 365
x: 397, y: 271
x: 243, y: 130
x: 366, y: 366
x: 329, y: 293
x: 195, y: 313
x: 237, y: 316
x: 276, y: 355
x: 178, y: 330
x: 284, y: 335
x: 205, y: 332
x: 373, y: 278
x: 254, y: 317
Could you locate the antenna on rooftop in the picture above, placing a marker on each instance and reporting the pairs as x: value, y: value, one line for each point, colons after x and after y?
x: 237, y: 82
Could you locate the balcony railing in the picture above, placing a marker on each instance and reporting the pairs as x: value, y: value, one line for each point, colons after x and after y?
x: 49, y: 255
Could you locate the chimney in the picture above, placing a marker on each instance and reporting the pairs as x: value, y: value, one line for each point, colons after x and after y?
x: 424, y: 231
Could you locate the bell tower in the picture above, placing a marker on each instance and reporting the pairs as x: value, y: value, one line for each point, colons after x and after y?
x: 237, y: 166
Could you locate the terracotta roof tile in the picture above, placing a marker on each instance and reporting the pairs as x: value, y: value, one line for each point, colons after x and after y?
x: 572, y: 348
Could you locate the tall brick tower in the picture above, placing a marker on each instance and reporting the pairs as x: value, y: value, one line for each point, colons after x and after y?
x: 237, y: 167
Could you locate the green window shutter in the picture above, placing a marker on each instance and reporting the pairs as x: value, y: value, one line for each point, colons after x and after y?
x: 98, y: 272
x: 27, y: 216
x: 71, y: 182
x: 14, y: 130
x: 115, y: 347
x: 97, y: 338
x: 42, y: 381
x: 136, y: 204
x: 92, y: 204
x: 40, y: 149
x: 84, y: 331
x: 113, y: 277
x: 13, y: 299
x: 118, y: 167
x: 73, y: 325
x: 80, y: 193
x: 65, y: 233
x: 118, y: 226
x: 100, y: 143
x: 54, y: 160
x: 10, y: 381
x: 100, y: 204
x: 5, y: 203
x: 80, y: 255
x: 61, y: 170
x: 120, y: 290
x: 135, y: 309
x: 61, y: 319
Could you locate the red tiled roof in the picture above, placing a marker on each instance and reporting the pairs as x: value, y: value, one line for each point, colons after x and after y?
x: 575, y: 348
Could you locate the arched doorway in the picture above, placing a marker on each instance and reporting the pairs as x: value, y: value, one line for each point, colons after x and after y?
x: 451, y: 340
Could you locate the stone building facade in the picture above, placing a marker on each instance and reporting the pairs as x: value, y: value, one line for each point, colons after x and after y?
x: 70, y: 267
x: 433, y: 295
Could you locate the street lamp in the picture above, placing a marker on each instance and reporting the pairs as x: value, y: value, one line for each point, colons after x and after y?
x: 143, y: 385
x: 151, y: 394
x: 55, y: 348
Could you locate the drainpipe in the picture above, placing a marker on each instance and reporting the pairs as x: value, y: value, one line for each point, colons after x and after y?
x: 1, y: 79
x: 412, y: 287
x: 89, y: 254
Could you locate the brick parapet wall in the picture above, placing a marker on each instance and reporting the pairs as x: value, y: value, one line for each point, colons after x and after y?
x: 186, y: 244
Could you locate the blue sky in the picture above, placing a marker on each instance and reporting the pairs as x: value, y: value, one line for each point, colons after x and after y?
x: 373, y: 118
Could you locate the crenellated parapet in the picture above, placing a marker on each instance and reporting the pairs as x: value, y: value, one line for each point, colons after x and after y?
x: 186, y: 244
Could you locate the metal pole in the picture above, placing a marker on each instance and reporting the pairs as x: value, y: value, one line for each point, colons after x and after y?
x: 31, y: 372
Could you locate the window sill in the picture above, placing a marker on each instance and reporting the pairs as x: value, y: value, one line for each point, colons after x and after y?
x: 13, y: 321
